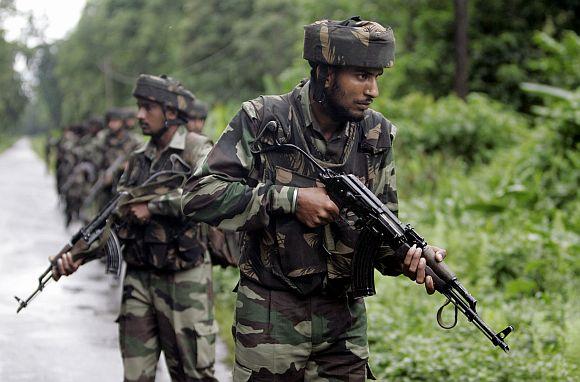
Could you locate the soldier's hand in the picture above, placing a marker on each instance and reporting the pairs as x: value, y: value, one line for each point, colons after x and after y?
x: 64, y: 266
x: 314, y: 207
x: 140, y: 212
x: 414, y: 266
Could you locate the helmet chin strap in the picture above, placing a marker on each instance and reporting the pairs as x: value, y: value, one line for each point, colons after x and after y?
x: 166, y: 123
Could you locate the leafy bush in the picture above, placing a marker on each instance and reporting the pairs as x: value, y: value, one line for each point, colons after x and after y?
x: 407, y: 344
x: 559, y: 65
x: 469, y: 130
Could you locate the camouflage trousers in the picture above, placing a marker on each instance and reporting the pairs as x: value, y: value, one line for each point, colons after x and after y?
x: 280, y: 336
x: 170, y: 312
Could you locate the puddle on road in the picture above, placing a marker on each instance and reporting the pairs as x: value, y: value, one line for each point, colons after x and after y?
x: 97, y: 277
x: 73, y: 289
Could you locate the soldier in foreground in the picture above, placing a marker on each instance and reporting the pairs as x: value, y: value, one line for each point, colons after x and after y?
x: 167, y: 292
x: 295, y: 318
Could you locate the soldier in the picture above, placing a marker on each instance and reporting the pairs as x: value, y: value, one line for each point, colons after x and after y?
x: 295, y: 319
x: 109, y: 152
x: 197, y: 117
x: 95, y: 125
x: 129, y: 117
x: 84, y: 173
x: 167, y: 292
x: 67, y: 180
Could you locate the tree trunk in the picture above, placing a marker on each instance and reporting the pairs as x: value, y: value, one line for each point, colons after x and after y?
x: 460, y: 83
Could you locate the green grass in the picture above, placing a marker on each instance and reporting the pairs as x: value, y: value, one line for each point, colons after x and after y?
x: 6, y: 140
x: 38, y: 145
x: 224, y: 301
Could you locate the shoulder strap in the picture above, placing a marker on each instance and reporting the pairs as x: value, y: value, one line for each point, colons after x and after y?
x: 275, y: 120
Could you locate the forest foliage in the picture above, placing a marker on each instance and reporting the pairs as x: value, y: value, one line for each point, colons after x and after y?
x: 12, y: 97
x: 227, y: 51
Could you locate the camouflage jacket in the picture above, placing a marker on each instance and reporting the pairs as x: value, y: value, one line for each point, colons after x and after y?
x: 167, y: 242
x: 239, y: 188
x: 106, y: 147
x: 66, y: 159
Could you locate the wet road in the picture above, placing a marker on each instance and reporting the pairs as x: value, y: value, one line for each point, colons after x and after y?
x: 68, y: 332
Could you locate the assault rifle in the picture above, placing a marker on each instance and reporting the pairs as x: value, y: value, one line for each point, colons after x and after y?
x: 379, y: 225
x: 80, y: 243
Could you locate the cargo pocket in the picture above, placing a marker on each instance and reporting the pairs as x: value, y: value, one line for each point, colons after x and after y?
x: 205, y: 336
x: 241, y: 373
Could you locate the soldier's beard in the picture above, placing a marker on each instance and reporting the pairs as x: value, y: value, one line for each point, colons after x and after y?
x: 335, y: 109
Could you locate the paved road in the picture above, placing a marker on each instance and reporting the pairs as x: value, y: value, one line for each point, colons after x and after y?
x: 68, y: 333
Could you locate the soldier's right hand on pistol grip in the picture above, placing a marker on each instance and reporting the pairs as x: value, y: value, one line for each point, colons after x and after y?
x: 64, y: 265
x: 314, y: 207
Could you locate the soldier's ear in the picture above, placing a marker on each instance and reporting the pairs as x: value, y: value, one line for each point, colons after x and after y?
x: 330, y: 77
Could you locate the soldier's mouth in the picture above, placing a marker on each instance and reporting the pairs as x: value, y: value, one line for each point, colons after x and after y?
x: 365, y: 103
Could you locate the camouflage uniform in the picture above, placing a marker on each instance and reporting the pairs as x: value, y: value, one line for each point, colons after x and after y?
x: 71, y: 178
x: 167, y: 292
x: 84, y: 172
x: 106, y: 148
x: 295, y: 319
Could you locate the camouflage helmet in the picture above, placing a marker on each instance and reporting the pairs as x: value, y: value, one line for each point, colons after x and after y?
x: 165, y: 91
x: 129, y: 112
x: 352, y: 42
x: 198, y: 110
x: 113, y: 113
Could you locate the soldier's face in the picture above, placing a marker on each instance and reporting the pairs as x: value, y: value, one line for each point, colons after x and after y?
x: 130, y: 122
x: 195, y: 125
x: 350, y: 91
x: 150, y: 116
x: 115, y: 125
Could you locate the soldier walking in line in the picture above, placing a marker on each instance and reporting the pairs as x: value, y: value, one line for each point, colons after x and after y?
x: 109, y: 152
x: 197, y: 117
x: 167, y: 302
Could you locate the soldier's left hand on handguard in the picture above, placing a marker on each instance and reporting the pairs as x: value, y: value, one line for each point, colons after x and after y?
x: 414, y: 266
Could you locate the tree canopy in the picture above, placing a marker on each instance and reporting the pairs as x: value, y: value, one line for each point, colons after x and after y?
x: 12, y: 97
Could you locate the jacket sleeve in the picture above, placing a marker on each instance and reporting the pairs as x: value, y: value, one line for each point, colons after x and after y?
x: 223, y: 193
x: 196, y: 149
